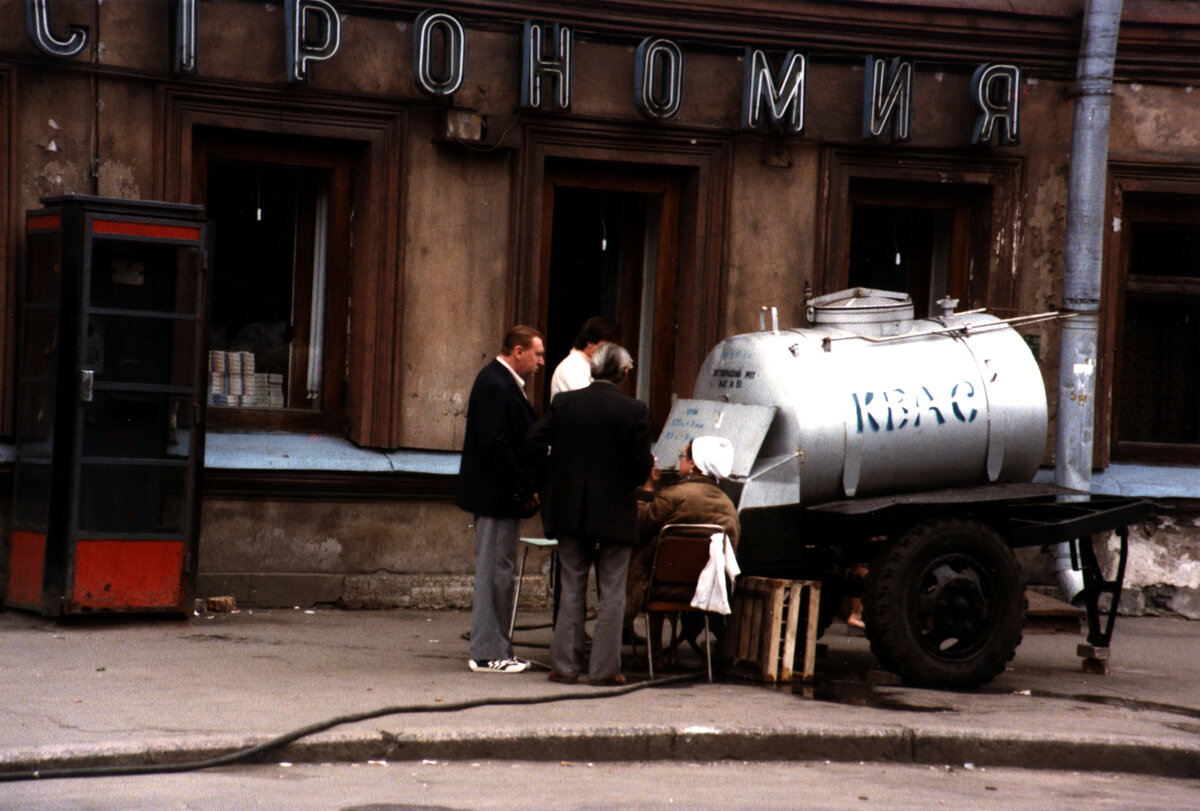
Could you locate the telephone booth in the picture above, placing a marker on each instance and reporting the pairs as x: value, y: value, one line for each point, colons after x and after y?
x: 109, y: 434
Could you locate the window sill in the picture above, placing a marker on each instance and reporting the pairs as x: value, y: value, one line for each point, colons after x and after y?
x: 278, y: 466
x: 278, y: 450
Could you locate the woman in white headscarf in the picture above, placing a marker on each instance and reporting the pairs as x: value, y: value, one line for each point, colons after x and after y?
x: 694, y: 499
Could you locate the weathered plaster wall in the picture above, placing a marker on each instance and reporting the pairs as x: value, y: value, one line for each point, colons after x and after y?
x: 360, y: 555
x: 1045, y: 141
x: 1162, y: 572
x: 772, y: 231
x: 126, y: 138
x: 456, y: 281
x: 53, y: 139
x: 1154, y: 120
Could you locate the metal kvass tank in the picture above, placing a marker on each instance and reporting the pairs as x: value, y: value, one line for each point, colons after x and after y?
x: 869, y: 401
x: 871, y: 439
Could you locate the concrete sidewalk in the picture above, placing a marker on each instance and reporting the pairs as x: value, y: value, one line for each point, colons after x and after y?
x: 113, y: 690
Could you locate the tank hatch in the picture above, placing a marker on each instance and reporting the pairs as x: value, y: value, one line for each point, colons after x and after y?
x: 863, y: 310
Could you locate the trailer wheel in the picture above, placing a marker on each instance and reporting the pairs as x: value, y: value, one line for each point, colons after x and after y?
x: 945, y: 604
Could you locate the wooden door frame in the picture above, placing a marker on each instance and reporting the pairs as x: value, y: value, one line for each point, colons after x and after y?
x: 700, y: 164
x: 375, y: 134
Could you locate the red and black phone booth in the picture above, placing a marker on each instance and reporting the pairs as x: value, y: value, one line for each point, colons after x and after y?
x: 109, y: 438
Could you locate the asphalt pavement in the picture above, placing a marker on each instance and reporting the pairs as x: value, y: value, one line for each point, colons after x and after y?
x: 125, y: 692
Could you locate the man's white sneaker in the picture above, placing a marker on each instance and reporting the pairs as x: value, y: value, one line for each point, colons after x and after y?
x: 497, y: 665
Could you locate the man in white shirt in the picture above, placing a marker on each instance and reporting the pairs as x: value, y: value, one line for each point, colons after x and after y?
x: 574, y: 372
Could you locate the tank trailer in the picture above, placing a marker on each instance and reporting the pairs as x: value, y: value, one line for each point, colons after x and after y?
x: 909, y: 446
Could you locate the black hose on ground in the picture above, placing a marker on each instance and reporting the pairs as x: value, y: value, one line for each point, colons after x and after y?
x: 321, y: 726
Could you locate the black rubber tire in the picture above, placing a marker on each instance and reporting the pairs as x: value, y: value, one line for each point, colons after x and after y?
x: 944, y: 604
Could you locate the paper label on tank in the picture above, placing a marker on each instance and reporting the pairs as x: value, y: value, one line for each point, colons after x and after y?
x: 732, y: 378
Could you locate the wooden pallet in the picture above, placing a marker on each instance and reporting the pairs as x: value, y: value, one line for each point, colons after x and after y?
x: 761, y: 638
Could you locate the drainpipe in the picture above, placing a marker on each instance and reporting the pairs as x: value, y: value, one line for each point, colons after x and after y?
x: 1082, y: 266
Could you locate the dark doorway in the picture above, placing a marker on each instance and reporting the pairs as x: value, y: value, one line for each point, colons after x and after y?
x: 612, y: 253
x: 595, y: 255
x: 902, y: 249
x: 911, y: 238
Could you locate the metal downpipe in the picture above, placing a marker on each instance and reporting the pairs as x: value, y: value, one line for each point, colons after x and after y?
x: 1082, y: 264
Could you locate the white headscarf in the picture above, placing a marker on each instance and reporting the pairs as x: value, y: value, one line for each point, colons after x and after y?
x: 713, y: 455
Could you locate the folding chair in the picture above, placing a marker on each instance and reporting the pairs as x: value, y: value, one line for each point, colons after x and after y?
x: 681, y: 555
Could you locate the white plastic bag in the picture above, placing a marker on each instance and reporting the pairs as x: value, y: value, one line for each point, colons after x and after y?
x: 711, y: 594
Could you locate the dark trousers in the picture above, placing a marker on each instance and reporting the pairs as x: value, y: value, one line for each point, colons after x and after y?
x: 575, y: 557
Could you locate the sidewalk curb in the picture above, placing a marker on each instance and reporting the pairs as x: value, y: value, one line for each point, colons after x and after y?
x: 888, y: 744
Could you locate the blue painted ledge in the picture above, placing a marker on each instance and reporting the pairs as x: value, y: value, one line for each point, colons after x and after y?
x: 286, y: 451
x: 1148, y: 481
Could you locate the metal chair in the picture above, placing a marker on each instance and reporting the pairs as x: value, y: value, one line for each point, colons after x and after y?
x: 681, y: 555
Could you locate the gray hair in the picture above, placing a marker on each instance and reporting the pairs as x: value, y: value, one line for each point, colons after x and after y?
x: 611, y: 362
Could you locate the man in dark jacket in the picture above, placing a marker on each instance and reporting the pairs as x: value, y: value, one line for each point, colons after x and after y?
x: 496, y: 485
x: 598, y: 442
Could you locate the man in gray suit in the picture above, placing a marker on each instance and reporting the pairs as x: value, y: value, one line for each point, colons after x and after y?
x: 597, y: 443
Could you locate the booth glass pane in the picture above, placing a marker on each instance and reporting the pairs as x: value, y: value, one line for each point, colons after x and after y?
x: 118, y: 500
x: 31, y: 495
x: 40, y: 350
x: 45, y: 272
x: 136, y: 425
x: 123, y: 349
x: 132, y: 275
x: 37, y: 418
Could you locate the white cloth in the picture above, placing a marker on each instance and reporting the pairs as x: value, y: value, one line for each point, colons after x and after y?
x: 713, y: 455
x: 711, y: 594
x: 574, y: 372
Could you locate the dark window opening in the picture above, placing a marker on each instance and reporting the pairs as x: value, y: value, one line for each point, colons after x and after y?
x: 902, y: 249
x: 1157, y: 388
x: 917, y: 238
x: 279, y: 279
x: 266, y: 323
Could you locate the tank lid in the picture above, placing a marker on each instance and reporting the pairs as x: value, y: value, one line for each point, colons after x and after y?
x: 861, y: 305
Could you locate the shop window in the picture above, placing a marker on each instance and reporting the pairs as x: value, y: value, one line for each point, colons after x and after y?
x: 1156, y: 392
x: 278, y: 287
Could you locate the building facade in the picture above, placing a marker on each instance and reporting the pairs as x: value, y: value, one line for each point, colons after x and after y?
x: 391, y: 184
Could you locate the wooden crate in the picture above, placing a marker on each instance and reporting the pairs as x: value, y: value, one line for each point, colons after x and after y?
x: 760, y: 640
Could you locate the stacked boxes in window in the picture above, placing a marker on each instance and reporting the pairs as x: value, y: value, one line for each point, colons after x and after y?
x: 274, y: 391
x: 233, y: 363
x: 216, y: 377
x: 233, y: 381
